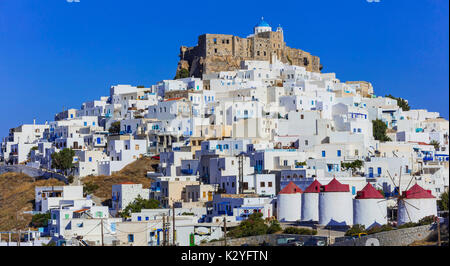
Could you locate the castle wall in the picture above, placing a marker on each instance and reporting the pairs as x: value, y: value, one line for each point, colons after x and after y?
x: 223, y: 52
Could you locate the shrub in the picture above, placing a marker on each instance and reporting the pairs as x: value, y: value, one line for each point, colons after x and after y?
x: 355, y: 229
x: 274, y: 227
x: 407, y: 225
x: 114, y: 128
x: 253, y: 226
x: 90, y: 187
x: 138, y: 204
x: 40, y: 219
x: 70, y: 179
x: 426, y: 220
x: 378, y: 229
x: 299, y: 231
x: 443, y: 202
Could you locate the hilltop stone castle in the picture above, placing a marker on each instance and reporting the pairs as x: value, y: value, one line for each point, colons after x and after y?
x: 222, y: 52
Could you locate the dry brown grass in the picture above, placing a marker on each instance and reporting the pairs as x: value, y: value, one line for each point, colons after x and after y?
x: 17, y: 196
x: 135, y: 172
x: 17, y: 191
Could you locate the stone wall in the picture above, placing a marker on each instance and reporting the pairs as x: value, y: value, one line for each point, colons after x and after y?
x: 399, y: 237
x: 33, y: 172
x: 270, y: 240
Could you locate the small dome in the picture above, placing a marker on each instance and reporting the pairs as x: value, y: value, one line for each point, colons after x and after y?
x: 262, y: 23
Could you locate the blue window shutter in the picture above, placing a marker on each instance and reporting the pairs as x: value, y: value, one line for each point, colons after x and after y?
x: 323, y: 153
x: 139, y: 218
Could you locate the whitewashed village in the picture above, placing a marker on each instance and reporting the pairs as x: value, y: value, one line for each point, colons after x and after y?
x: 318, y: 161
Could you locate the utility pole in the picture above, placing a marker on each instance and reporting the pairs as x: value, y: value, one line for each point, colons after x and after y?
x: 164, y: 229
x: 439, y: 230
x: 101, y: 221
x: 241, y: 174
x: 225, y: 229
x: 173, y: 224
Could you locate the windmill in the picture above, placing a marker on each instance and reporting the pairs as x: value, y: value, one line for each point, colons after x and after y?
x: 400, y: 198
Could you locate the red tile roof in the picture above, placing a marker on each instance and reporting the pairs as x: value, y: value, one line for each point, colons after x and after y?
x: 313, y: 188
x: 417, y: 192
x: 335, y: 186
x: 82, y: 210
x: 369, y: 192
x: 291, y: 188
x: 174, y: 99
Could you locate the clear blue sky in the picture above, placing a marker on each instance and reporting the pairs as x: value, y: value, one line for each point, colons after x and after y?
x: 55, y: 54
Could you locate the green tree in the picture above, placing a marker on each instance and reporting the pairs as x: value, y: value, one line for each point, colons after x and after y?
x: 138, y: 204
x: 402, y: 103
x: 40, y: 219
x: 253, y: 226
x: 354, y: 166
x: 63, y: 160
x: 181, y: 74
x: 443, y: 202
x: 379, y: 130
x: 436, y: 144
x: 114, y: 128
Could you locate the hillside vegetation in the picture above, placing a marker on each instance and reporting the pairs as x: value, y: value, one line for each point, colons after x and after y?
x: 135, y: 172
x: 17, y: 196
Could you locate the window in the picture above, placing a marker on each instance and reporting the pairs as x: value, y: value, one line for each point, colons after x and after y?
x: 130, y: 238
x: 90, y: 159
x: 269, y: 184
x: 339, y: 153
x: 262, y: 184
x: 323, y: 153
x: 302, y: 116
x: 139, y: 218
x: 136, y: 147
x: 306, y: 142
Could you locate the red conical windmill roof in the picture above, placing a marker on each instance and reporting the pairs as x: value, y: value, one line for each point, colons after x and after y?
x: 313, y: 188
x: 291, y: 188
x: 369, y: 192
x: 417, y: 192
x: 335, y: 186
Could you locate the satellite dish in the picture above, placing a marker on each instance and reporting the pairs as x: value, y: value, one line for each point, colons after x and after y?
x: 372, y: 242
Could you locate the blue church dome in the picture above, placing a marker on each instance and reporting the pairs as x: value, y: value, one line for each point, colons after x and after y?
x: 262, y: 23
